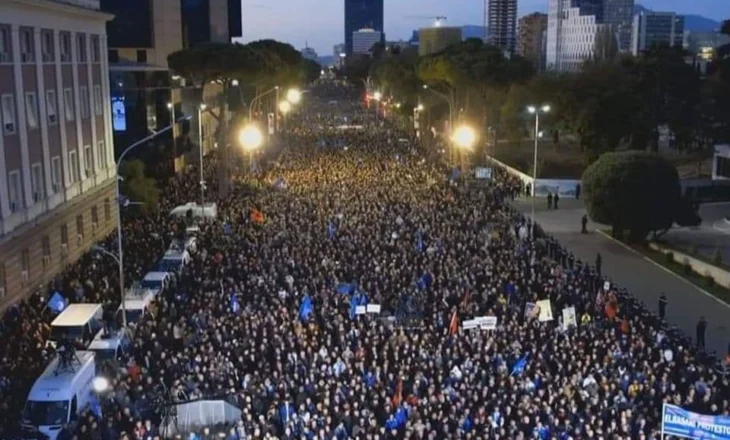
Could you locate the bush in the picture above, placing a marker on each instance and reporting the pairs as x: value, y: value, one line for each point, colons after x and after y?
x: 632, y: 190
x: 669, y: 258
x: 709, y: 281
x: 686, y: 267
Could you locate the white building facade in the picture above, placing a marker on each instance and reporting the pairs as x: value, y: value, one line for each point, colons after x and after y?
x: 571, y: 37
x: 364, y: 40
x: 56, y: 152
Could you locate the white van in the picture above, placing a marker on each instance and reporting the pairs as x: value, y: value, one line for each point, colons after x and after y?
x: 109, y: 347
x: 60, y: 395
x: 207, y: 211
x: 78, y: 323
x: 136, y: 307
x: 155, y: 282
x: 173, y: 260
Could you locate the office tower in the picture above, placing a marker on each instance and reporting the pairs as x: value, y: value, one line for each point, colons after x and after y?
x: 575, y: 27
x: 501, y: 23
x: 204, y: 21
x: 57, y: 173
x: 363, y: 41
x: 656, y: 28
x: 235, y: 19
x: 362, y: 14
x: 435, y: 39
x: 531, y: 31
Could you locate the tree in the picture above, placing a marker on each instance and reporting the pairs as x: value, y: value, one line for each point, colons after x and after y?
x: 635, y: 191
x: 136, y: 186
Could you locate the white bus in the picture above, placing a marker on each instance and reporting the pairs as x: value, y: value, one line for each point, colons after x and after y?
x: 60, y: 395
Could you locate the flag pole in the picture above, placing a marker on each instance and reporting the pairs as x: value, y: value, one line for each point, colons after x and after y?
x: 664, y: 411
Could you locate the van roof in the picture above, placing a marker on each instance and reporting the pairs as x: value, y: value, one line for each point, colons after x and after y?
x: 136, y: 304
x: 156, y: 276
x: 76, y: 315
x: 174, y: 254
x: 101, y: 343
x: 63, y: 386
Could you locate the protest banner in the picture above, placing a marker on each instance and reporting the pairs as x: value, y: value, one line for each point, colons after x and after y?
x: 569, y: 318
x: 470, y: 324
x: 682, y: 423
x: 373, y: 308
x: 606, y: 286
x: 487, y: 322
x: 531, y: 310
x: 361, y: 310
x: 545, y: 312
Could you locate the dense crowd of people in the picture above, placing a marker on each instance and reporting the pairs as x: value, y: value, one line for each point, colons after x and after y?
x: 267, y: 314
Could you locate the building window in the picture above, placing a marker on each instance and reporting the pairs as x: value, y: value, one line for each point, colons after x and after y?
x: 65, y: 46
x: 107, y: 209
x: 31, y: 110
x: 64, y: 235
x: 68, y: 102
x: 6, y: 48
x: 8, y: 104
x: 80, y: 225
x: 95, y: 50
x: 25, y: 261
x: 47, y: 46
x: 73, y: 166
x: 46, y: 245
x: 88, y: 161
x: 84, y: 102
x: 36, y: 182
x: 27, y: 48
x: 81, y: 48
x: 101, y: 154
x: 94, y: 215
x: 3, y: 281
x: 51, y: 107
x: 97, y: 100
x: 56, y: 173
x: 14, y: 190
x: 141, y: 56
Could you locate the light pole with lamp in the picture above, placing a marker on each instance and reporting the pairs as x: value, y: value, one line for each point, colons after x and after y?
x: 284, y: 108
x: 464, y: 137
x: 377, y: 96
x: 120, y: 251
x: 448, y: 101
x: 251, y: 139
x: 171, y: 107
x: 257, y: 97
x: 536, y: 111
x: 201, y: 109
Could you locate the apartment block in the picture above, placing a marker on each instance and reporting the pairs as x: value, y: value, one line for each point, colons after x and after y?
x: 57, y: 192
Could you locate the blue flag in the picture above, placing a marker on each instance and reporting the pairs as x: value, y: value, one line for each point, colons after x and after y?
x: 419, y: 241
x: 455, y: 173
x: 345, y: 288
x: 397, y: 420
x: 94, y: 405
x: 235, y: 304
x: 286, y: 411
x: 227, y: 229
x: 57, y: 302
x: 353, y: 306
x: 306, y: 308
x: 519, y: 366
x: 331, y: 230
x: 425, y: 281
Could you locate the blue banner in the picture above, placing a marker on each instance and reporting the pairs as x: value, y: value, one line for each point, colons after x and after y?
x: 681, y: 423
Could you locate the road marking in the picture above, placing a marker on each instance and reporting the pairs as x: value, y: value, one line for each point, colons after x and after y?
x: 703, y: 291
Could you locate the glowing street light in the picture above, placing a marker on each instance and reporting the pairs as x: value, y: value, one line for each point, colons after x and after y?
x: 535, y: 111
x: 420, y: 107
x: 100, y: 384
x: 250, y: 138
x: 285, y: 107
x: 377, y: 96
x: 294, y: 96
x: 464, y: 137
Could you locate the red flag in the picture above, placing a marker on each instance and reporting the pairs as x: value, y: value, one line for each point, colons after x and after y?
x: 398, y: 396
x: 454, y: 325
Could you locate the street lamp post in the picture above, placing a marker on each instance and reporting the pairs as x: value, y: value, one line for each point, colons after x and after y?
x: 171, y: 107
x: 284, y: 108
x: 448, y: 101
x: 250, y: 138
x: 464, y: 137
x: 377, y: 96
x: 201, y: 109
x: 118, y: 178
x: 256, y: 98
x: 536, y: 111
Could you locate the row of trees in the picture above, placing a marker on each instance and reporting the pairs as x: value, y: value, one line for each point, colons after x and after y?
x: 615, y: 101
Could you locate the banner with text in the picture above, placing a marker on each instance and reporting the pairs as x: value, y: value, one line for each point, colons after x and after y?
x: 682, y: 423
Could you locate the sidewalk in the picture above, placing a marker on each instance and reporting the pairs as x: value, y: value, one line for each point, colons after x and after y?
x: 643, y: 278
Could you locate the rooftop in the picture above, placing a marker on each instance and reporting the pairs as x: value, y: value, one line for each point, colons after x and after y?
x: 86, y: 4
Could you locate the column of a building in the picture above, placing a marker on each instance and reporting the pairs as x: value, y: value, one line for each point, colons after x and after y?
x: 92, y: 107
x: 43, y: 115
x: 66, y: 177
x: 106, y: 106
x: 80, y: 156
x: 22, y: 127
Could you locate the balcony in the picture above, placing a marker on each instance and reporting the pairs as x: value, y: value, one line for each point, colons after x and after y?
x: 86, y: 4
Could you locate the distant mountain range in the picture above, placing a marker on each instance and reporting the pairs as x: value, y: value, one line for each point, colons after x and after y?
x: 692, y: 22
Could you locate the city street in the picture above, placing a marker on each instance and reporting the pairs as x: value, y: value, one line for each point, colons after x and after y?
x: 644, y: 279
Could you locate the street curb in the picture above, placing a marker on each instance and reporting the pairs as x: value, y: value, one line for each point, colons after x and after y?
x: 686, y: 281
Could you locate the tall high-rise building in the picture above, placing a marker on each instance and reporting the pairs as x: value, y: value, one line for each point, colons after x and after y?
x: 576, y: 27
x: 362, y: 14
x: 656, y: 28
x: 235, y: 19
x: 204, y: 21
x: 501, y: 22
x: 531, y: 31
x: 437, y: 38
x: 57, y: 173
